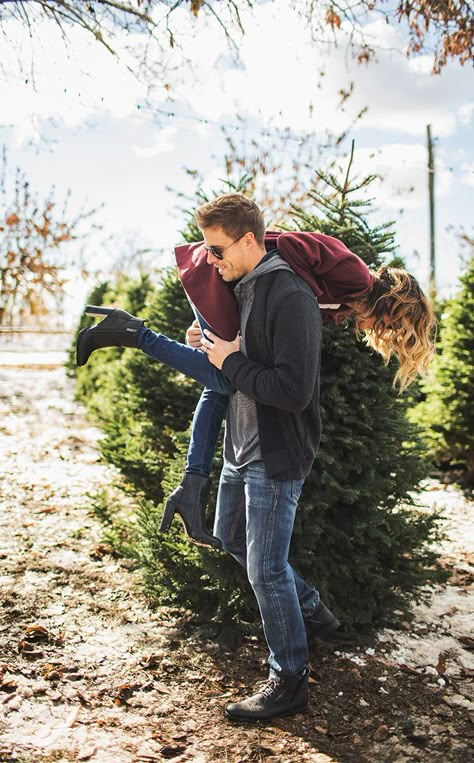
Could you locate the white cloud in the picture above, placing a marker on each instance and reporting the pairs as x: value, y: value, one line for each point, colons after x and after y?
x: 130, y: 158
x: 468, y: 174
x: 69, y: 84
x: 276, y: 79
x: 402, y: 94
x: 465, y: 112
x: 278, y: 76
x: 403, y: 170
x: 164, y: 143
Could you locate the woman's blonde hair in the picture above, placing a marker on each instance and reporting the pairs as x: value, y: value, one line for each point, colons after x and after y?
x: 404, y: 323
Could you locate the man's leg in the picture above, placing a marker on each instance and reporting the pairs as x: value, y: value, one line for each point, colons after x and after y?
x: 257, y: 513
x: 230, y: 528
x: 270, y: 514
x: 230, y: 522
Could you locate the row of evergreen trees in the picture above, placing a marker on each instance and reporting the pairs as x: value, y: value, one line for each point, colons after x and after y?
x: 359, y: 534
x: 446, y: 411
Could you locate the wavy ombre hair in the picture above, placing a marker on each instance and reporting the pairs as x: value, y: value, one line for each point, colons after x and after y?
x: 403, y: 323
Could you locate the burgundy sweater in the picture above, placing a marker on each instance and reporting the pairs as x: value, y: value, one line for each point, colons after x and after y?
x: 335, y: 274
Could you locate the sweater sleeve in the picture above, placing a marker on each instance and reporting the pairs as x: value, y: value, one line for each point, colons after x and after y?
x: 288, y: 383
x: 333, y: 272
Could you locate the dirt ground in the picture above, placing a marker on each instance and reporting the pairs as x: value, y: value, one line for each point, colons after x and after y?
x: 88, y: 672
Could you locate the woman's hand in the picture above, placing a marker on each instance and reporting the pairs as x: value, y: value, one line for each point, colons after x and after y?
x: 194, y: 335
x: 217, y: 349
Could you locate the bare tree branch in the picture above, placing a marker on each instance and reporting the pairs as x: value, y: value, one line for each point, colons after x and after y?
x: 444, y: 28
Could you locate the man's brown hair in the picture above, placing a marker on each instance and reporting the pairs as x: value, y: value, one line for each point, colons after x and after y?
x: 235, y: 214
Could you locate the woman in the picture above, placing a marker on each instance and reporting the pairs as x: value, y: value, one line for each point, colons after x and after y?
x: 389, y: 309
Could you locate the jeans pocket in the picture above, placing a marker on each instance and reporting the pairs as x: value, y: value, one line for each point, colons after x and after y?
x: 296, y: 488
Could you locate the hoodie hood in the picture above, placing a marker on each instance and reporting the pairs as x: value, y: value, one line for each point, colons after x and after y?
x: 245, y: 289
x: 270, y: 262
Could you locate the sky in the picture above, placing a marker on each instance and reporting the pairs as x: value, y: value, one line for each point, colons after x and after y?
x: 78, y: 119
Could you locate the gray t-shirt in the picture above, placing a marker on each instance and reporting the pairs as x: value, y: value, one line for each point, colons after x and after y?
x: 241, y: 443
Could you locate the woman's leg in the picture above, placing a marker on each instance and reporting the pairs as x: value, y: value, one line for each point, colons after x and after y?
x: 190, y: 497
x: 188, y: 360
x: 205, y: 430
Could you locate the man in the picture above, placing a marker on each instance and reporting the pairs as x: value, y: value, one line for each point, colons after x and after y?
x: 271, y: 439
x: 272, y: 429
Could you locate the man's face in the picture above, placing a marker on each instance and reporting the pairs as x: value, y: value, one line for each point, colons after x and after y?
x: 235, y: 261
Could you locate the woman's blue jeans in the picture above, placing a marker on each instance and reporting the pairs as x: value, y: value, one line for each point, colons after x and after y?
x: 212, y: 405
x: 254, y: 521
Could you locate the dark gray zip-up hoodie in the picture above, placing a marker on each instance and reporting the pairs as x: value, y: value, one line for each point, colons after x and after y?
x: 279, y: 366
x: 242, y: 441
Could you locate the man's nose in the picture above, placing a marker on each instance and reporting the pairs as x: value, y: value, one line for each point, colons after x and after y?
x: 211, y: 258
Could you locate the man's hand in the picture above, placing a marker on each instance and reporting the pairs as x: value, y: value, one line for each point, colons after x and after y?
x: 217, y: 349
x: 194, y: 335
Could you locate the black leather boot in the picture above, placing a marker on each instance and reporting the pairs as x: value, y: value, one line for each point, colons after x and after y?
x: 279, y: 696
x: 119, y: 329
x: 189, y: 501
x: 321, y: 623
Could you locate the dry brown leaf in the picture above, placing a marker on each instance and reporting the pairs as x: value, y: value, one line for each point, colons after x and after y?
x: 123, y: 693
x: 36, y: 633
x: 467, y: 642
x: 441, y: 665
x: 321, y: 729
x: 52, y: 671
x: 8, y: 686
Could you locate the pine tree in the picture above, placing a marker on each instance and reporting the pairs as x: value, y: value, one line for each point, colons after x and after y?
x: 447, y: 413
x: 357, y: 502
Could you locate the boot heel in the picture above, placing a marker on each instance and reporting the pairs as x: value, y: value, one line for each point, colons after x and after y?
x: 188, y: 502
x: 168, y: 515
x: 93, y: 310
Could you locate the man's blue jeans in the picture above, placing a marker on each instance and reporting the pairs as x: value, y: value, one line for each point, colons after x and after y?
x: 254, y: 521
x: 212, y: 404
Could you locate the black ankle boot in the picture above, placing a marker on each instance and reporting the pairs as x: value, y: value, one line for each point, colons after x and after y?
x: 189, y: 501
x: 279, y: 696
x: 119, y: 329
x: 321, y: 623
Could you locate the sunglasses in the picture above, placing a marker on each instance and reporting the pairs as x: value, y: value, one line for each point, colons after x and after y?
x: 218, y: 251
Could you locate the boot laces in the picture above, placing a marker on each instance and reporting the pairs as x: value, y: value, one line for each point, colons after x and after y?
x: 269, y: 688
